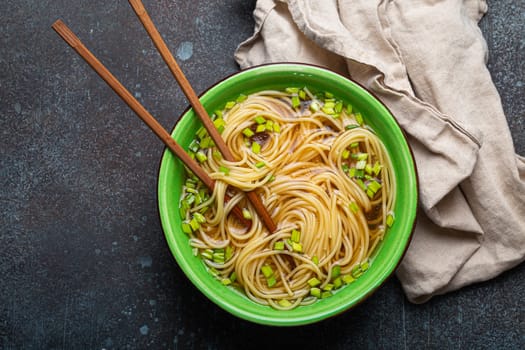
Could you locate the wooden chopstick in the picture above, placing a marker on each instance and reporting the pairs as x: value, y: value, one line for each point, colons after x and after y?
x: 192, y: 97
x: 69, y: 37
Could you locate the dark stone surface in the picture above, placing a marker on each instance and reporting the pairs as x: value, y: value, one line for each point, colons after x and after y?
x: 83, y: 261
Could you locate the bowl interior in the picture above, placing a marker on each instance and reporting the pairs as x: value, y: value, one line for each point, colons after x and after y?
x: 385, y: 259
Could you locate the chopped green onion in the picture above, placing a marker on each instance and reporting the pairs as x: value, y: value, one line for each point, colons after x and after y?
x: 271, y: 281
x: 224, y: 170
x: 229, y: 105
x: 315, y: 260
x: 198, y: 199
x: 256, y: 148
x: 248, y: 132
x: 328, y: 110
x: 186, y: 228
x: 328, y: 286
x: 219, y: 124
x: 377, y: 168
x: 356, y: 271
x: 218, y: 258
x: 296, y: 102
x: 261, y: 128
x: 349, y: 109
x: 354, y: 144
x: 326, y: 294
x: 194, y: 146
x: 316, y: 292
x: 354, y: 207
x: 216, y: 154
x: 368, y: 169
x: 218, y: 113
x: 345, y: 154
x: 267, y: 271
x: 338, y: 282
x: 241, y: 98
x: 351, y: 126
x: 314, y: 282
x: 284, y: 303
x: 201, y: 156
x: 390, y: 219
x: 296, y: 236
x: 292, y: 90
x: 203, y: 193
x: 336, y: 271
x: 302, y: 94
x: 207, y: 254
x: 374, y: 186
x: 182, y: 212
x: 279, y: 245
x: 199, y: 217
x: 207, y: 142
x: 338, y: 107
x: 189, y: 199
x: 201, y: 133
x: 260, y: 119
x: 364, y: 266
x: 260, y: 164
x: 297, y: 247
x: 328, y: 95
x: 246, y: 214
x: 226, y: 281
x: 314, y: 106
x: 347, y: 279
x: 191, y: 190
x: 362, y: 156
x: 329, y: 104
x: 276, y: 127
x: 233, y: 276
x: 228, y: 253
x: 359, y: 118
x: 195, y: 225
x: 360, y: 165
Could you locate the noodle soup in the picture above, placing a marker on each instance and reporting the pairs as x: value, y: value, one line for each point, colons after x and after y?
x: 322, y: 173
x: 336, y: 240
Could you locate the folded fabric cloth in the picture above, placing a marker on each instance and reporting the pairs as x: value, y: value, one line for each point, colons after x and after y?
x: 426, y: 60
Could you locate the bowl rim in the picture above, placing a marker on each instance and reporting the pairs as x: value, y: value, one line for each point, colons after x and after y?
x: 297, y: 321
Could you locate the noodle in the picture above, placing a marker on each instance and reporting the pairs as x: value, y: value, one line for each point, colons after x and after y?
x: 325, y: 178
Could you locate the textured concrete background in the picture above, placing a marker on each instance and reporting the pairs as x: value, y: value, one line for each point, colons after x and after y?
x: 83, y: 261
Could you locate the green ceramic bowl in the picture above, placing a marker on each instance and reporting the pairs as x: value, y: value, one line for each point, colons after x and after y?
x: 391, y: 250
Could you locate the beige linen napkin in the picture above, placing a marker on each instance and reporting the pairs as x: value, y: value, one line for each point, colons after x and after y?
x: 426, y: 60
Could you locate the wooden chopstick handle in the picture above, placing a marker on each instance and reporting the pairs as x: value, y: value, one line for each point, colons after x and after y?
x: 183, y: 82
x: 70, y: 38
x: 192, y: 97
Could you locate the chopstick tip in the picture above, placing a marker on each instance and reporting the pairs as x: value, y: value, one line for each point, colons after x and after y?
x: 57, y: 24
x: 63, y: 30
x: 138, y: 6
